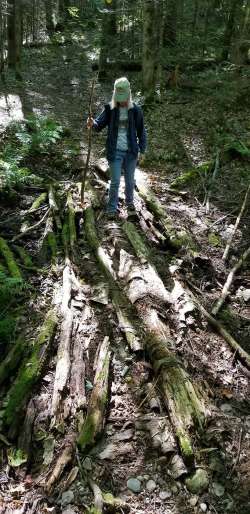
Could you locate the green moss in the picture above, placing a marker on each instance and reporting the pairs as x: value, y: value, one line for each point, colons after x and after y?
x: 214, y: 239
x: 38, y: 201
x: 191, y: 175
x: 136, y: 240
x: 30, y: 371
x: 185, y: 445
x: 52, y: 245
x: 6, y: 252
x: 87, y: 435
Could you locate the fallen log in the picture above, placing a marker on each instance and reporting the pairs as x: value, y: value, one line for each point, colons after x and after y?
x: 38, y: 202
x: 64, y: 459
x: 71, y: 222
x: 54, y: 207
x: 30, y: 372
x: 49, y: 244
x: 229, y: 281
x: 176, y: 239
x: 6, y: 252
x: 185, y: 405
x: 93, y: 423
x: 118, y: 300
x: 63, y: 353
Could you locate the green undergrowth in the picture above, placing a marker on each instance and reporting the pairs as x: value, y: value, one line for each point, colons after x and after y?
x: 24, y: 140
x: 10, y: 290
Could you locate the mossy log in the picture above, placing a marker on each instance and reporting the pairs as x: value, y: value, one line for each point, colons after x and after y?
x: 12, y: 360
x: 30, y: 371
x: 6, y: 252
x: 176, y: 239
x: 49, y: 244
x: 38, y: 202
x: 93, y: 423
x: 118, y: 300
x: 186, y: 407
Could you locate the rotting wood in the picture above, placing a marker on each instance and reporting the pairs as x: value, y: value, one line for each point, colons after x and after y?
x: 228, y: 246
x: 93, y: 423
x: 176, y: 239
x: 118, y: 300
x: 6, y: 252
x: 64, y: 459
x: 30, y: 371
x: 25, y: 437
x: 63, y: 353
x: 71, y: 222
x: 54, y: 207
x: 243, y: 355
x: 229, y: 281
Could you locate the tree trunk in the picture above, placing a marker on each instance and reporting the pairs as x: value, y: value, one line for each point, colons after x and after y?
x: 14, y: 29
x: 109, y: 30
x: 170, y: 23
x: 50, y: 17
x: 229, y: 30
x: 149, y: 51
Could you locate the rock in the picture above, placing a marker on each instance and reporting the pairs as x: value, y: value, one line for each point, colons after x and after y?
x: 134, y: 485
x: 218, y: 489
x: 67, y: 498
x: 197, y: 482
x: 69, y: 510
x: 151, y: 486
x: 203, y: 507
x: 164, y: 495
x: 226, y: 408
x: 193, y: 500
x: 177, y: 467
x: 87, y: 464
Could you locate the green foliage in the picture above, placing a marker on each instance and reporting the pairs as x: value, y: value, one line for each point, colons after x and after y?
x: 36, y: 135
x: 10, y: 289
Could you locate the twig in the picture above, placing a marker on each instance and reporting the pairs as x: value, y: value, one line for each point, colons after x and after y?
x: 238, y: 454
x: 222, y: 331
x: 216, y: 167
x: 33, y: 227
x: 89, y: 142
x: 225, y: 254
x: 229, y: 281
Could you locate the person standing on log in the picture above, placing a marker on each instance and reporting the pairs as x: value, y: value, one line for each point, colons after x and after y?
x: 125, y: 140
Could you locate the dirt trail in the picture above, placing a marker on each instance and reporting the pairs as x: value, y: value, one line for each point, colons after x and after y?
x: 138, y: 442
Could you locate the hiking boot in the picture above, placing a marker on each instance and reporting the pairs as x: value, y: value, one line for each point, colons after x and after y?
x: 111, y: 215
x: 131, y: 211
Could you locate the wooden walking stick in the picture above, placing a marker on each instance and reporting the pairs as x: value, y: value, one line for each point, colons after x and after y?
x: 84, y: 175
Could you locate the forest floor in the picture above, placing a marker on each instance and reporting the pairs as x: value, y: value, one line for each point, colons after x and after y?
x: 137, y: 458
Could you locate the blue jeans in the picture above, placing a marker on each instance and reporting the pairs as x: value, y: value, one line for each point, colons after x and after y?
x: 127, y: 161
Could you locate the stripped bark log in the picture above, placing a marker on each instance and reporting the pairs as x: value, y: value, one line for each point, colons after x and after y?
x: 186, y: 407
x: 6, y: 252
x: 229, y: 281
x: 226, y: 252
x: 30, y: 372
x: 54, y: 207
x: 94, y: 421
x: 63, y: 353
x: 118, y: 300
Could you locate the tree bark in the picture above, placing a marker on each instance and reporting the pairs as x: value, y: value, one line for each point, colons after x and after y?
x: 14, y: 39
x: 230, y: 27
x: 149, y: 52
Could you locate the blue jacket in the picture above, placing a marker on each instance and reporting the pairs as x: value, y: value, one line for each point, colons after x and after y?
x: 136, y: 131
